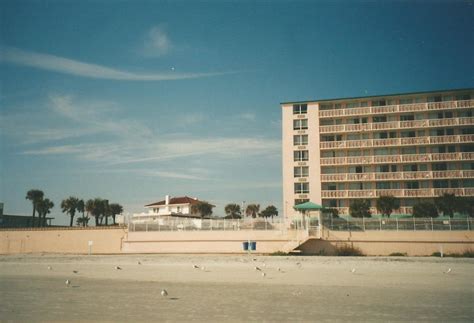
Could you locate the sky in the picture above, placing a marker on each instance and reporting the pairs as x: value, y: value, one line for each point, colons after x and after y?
x: 133, y: 100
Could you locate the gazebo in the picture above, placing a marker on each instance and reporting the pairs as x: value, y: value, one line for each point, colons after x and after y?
x: 307, y: 207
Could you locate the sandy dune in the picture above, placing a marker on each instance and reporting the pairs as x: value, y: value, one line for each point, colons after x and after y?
x: 230, y: 289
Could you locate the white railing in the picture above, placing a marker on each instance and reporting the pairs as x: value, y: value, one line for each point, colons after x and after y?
x: 399, y: 108
x: 384, y: 159
x: 390, y: 176
x: 410, y: 141
x: 377, y: 126
x: 395, y: 224
x: 188, y: 224
x: 424, y: 192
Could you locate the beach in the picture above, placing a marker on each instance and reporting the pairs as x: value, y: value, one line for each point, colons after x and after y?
x: 228, y: 288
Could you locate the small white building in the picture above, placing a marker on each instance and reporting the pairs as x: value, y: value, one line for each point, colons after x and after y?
x: 179, y: 207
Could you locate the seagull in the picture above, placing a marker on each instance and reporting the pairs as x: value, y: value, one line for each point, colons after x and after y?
x: 139, y: 263
x: 68, y: 282
x: 203, y: 268
x: 264, y: 265
x: 254, y: 259
x: 118, y: 268
x: 263, y: 274
x: 164, y: 293
x: 75, y: 271
x: 279, y: 269
x: 195, y: 266
x: 50, y: 268
x: 353, y: 270
x: 256, y: 268
x: 448, y: 271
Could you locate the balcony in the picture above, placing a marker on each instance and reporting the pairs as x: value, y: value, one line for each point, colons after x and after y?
x: 395, y: 159
x: 424, y: 192
x: 396, y: 176
x: 400, y: 108
x: 410, y: 141
x: 373, y: 210
x: 394, y: 125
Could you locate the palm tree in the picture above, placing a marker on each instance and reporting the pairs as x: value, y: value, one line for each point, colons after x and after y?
x: 105, y: 211
x: 95, y: 207
x: 233, y: 211
x: 81, y: 207
x: 34, y: 196
x: 446, y: 203
x: 386, y: 204
x: 270, y: 211
x: 252, y: 210
x: 43, y: 207
x: 203, y: 208
x: 115, y: 209
x: 69, y: 206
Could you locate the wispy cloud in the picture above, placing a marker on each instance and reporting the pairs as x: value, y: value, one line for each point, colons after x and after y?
x: 78, y: 68
x: 156, y: 42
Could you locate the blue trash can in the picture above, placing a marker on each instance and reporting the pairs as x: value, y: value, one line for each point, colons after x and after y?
x: 245, y: 245
x: 253, y: 245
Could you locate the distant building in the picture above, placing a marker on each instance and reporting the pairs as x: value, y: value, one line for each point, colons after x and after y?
x: 411, y: 146
x: 169, y: 207
x: 22, y: 221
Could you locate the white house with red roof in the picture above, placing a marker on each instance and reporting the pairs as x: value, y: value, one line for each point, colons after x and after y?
x: 169, y: 207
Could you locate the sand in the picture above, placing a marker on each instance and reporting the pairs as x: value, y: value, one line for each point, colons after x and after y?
x: 229, y: 289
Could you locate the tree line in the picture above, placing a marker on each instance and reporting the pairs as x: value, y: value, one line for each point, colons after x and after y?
x: 234, y: 211
x: 98, y: 208
x: 446, y: 204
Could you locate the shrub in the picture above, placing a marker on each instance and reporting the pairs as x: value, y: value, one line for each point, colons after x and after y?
x: 360, y: 208
x: 398, y: 254
x: 425, y: 209
x: 386, y: 204
x: 331, y: 212
x: 347, y: 250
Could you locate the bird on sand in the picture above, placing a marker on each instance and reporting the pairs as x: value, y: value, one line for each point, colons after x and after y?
x: 75, y: 271
x: 263, y: 274
x: 195, y: 266
x: 448, y: 271
x: 353, y: 270
x: 118, y: 268
x: 139, y: 263
x: 68, y: 282
x: 50, y: 268
x: 203, y: 268
x: 256, y: 268
x: 164, y: 293
x: 279, y: 269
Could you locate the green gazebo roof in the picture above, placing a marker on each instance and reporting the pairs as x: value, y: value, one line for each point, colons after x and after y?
x: 308, y: 206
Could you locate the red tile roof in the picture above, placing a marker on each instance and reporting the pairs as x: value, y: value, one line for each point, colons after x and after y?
x: 177, y: 200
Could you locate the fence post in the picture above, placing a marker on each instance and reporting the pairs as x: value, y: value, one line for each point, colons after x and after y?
x: 414, y: 224
x: 397, y: 222
x: 363, y: 223
x: 380, y: 221
x: 449, y: 224
x: 467, y: 218
x: 332, y: 219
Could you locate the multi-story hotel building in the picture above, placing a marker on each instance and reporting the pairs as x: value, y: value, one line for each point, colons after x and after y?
x: 412, y: 146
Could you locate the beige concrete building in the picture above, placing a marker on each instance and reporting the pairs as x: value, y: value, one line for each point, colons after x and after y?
x: 412, y: 145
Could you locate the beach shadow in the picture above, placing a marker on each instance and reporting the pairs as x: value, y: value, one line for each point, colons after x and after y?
x: 76, y: 286
x: 173, y: 298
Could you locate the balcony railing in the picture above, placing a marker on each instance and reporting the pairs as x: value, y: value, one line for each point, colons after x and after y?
x: 413, y: 124
x: 391, y: 176
x: 392, y: 159
x: 400, y: 108
x: 410, y: 141
x: 424, y: 192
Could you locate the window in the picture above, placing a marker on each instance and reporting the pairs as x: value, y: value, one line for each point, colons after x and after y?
x: 301, y: 201
x: 439, y: 166
x: 412, y: 185
x: 301, y: 124
x: 178, y: 209
x: 379, y: 119
x: 301, y: 171
x: 301, y: 188
x: 301, y: 155
x: 379, y: 103
x: 436, y: 98
x: 299, y: 140
x: 300, y: 108
x: 463, y: 97
x: 406, y: 101
x: 407, y: 117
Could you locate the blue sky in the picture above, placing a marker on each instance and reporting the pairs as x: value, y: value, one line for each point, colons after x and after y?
x: 133, y: 100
